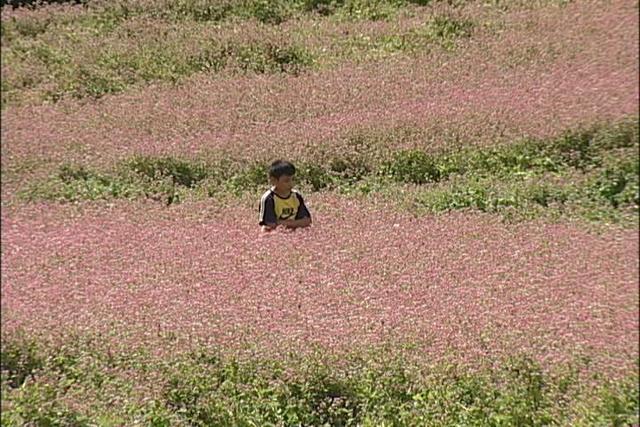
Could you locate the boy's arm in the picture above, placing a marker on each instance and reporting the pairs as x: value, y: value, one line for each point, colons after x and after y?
x: 268, y: 219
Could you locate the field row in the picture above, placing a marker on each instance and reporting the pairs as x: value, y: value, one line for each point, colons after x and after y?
x: 71, y: 59
x: 90, y: 54
x: 82, y: 384
x: 194, y: 269
x: 100, y: 14
x: 592, y: 172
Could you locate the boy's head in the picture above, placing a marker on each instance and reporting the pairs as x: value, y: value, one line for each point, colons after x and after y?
x: 281, y: 175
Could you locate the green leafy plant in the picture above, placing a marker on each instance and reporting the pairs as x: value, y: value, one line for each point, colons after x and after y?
x: 413, y: 166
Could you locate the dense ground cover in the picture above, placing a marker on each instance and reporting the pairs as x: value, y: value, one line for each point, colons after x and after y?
x: 472, y: 169
x: 194, y: 270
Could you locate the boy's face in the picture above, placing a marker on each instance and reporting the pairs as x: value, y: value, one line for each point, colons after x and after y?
x: 284, y: 184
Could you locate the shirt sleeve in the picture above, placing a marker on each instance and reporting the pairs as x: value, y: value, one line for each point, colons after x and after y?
x: 267, y: 211
x: 303, y: 212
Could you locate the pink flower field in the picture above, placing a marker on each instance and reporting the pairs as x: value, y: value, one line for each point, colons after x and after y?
x: 394, y: 264
x: 537, y: 77
x: 462, y: 284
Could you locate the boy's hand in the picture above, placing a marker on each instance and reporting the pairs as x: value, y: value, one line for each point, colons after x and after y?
x: 268, y: 227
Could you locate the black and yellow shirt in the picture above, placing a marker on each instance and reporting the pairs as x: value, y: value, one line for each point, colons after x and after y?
x: 274, y: 208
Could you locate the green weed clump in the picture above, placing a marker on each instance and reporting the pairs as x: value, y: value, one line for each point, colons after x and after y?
x: 76, y: 182
x: 270, y: 58
x: 590, y: 173
x: 19, y: 360
x: 413, y: 166
x: 179, y: 171
x: 582, y: 150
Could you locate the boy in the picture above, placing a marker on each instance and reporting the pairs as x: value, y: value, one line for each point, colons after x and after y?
x: 281, y: 204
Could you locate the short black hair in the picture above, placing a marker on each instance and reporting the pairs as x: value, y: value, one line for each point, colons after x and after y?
x: 280, y: 168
